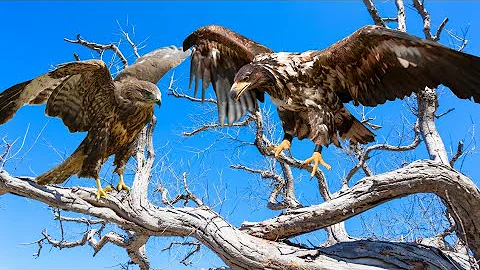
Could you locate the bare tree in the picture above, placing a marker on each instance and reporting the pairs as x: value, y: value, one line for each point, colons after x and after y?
x: 268, y: 243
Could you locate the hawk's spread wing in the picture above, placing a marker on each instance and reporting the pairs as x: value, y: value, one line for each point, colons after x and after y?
x: 153, y: 65
x: 376, y: 64
x: 217, y: 56
x: 73, y: 92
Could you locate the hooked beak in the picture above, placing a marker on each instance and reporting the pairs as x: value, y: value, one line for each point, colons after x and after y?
x: 158, y: 99
x: 238, y: 88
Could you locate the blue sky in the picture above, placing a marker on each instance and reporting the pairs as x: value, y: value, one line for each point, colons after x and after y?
x: 32, y: 42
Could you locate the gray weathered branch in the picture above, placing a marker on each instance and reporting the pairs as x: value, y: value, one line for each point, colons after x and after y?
x: 99, y: 48
x: 228, y: 242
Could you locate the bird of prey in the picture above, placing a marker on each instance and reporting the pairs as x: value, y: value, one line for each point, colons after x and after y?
x: 309, y: 89
x: 86, y: 97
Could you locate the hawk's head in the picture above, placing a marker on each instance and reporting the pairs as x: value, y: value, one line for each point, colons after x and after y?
x: 251, y: 77
x: 143, y: 92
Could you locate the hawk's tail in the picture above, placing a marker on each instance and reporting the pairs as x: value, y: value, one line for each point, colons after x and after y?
x: 350, y: 128
x: 72, y: 165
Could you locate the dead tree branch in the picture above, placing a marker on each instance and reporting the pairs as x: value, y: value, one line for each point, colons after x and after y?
x: 458, y: 154
x: 99, y: 48
x: 195, y: 244
x: 363, y: 157
x: 374, y: 13
x: 227, y: 241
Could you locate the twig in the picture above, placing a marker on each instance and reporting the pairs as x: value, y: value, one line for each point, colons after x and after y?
x: 191, y: 243
x: 365, y: 156
x: 457, y: 154
x: 439, y: 30
x: 425, y: 17
x: 127, y: 37
x: 99, y: 48
x: 374, y: 13
x: 189, y: 193
x: 445, y: 113
x: 214, y: 126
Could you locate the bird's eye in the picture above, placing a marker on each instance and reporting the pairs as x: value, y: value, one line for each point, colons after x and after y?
x: 146, y: 92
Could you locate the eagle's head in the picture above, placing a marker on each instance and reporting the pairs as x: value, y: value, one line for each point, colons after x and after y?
x: 251, y: 77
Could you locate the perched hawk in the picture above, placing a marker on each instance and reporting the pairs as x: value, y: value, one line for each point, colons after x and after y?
x: 369, y: 67
x: 113, y: 111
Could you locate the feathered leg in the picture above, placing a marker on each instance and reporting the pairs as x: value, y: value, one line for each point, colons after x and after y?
x: 317, y: 159
x: 120, y: 161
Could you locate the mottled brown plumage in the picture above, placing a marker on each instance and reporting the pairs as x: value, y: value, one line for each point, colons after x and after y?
x: 369, y: 67
x: 84, y: 95
x: 217, y: 55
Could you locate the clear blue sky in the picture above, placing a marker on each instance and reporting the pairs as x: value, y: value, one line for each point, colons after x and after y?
x: 32, y: 41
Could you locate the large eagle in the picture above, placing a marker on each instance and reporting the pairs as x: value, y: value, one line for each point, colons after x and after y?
x: 309, y: 89
x: 112, y: 111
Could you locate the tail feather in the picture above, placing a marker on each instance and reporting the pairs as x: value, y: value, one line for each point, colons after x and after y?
x: 350, y: 128
x: 72, y: 165
x: 359, y: 133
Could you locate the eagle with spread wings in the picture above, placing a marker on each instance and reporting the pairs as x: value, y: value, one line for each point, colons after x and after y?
x: 309, y: 89
x: 86, y: 97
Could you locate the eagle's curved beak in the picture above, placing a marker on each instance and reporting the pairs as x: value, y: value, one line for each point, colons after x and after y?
x: 158, y: 99
x: 238, y: 88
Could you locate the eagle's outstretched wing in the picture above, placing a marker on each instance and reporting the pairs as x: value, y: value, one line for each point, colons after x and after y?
x: 73, y: 92
x: 376, y: 64
x: 153, y: 65
x: 217, y: 56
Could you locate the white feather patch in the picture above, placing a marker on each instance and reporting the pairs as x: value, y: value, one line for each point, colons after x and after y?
x: 406, y: 63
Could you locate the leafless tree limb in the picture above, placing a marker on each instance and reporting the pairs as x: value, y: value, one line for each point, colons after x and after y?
x: 129, y: 40
x: 440, y: 29
x: 374, y: 13
x: 214, y: 126
x: 99, y: 48
x: 185, y: 261
x: 279, y: 188
x: 211, y: 229
x: 425, y: 16
x: 173, y: 92
x: 457, y: 154
x: 401, y: 17
x: 363, y: 157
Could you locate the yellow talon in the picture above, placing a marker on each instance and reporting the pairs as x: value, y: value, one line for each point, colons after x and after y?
x: 285, y: 145
x: 316, y: 158
x: 100, y: 191
x: 121, y: 185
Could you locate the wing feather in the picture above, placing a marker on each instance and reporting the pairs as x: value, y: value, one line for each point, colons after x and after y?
x: 153, y: 65
x: 217, y: 56
x: 73, y: 92
x: 377, y: 64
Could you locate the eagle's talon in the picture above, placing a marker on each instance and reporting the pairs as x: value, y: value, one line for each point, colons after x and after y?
x: 317, y: 159
x: 284, y: 145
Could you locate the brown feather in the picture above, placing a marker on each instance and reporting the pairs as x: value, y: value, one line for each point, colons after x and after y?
x: 217, y: 55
